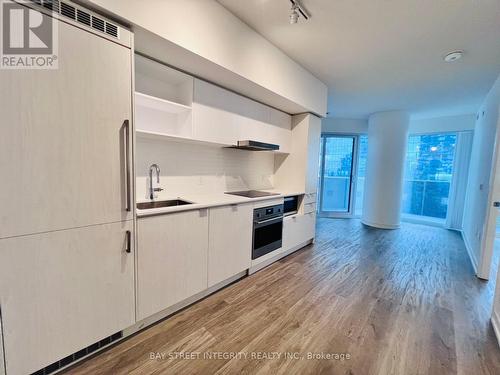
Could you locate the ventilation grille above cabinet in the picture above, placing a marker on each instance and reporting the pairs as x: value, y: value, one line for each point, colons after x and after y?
x: 78, y: 355
x: 80, y: 15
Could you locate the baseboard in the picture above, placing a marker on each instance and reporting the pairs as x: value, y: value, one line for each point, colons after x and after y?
x: 495, y: 322
x: 270, y: 261
x: 469, y: 251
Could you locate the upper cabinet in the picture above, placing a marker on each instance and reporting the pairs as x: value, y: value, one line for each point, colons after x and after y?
x: 222, y: 116
x: 65, y: 149
x: 175, y: 105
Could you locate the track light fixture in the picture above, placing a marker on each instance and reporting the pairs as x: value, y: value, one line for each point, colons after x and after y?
x: 297, y: 11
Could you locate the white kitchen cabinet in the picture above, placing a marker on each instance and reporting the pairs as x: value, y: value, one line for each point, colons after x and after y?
x: 298, y: 229
x: 230, y: 241
x: 214, y: 114
x: 221, y: 116
x: 62, y: 291
x: 63, y: 158
x: 298, y: 171
x: 163, y: 100
x: 171, y: 260
x: 313, y: 146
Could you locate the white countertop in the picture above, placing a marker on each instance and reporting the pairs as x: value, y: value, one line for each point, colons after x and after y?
x: 208, y: 200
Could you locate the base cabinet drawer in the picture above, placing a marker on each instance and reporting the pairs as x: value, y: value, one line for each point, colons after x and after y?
x: 171, y: 259
x: 230, y: 241
x: 63, y: 291
x: 298, y: 229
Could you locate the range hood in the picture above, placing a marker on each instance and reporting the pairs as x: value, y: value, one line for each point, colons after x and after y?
x: 256, y: 146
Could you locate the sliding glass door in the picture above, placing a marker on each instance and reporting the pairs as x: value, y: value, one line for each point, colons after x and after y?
x: 338, y: 155
x: 428, y: 176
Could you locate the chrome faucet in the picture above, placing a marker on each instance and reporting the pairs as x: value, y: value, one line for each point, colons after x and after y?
x: 151, y: 190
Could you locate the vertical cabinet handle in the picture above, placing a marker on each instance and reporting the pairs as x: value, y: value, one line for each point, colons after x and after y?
x: 128, y: 241
x: 128, y: 205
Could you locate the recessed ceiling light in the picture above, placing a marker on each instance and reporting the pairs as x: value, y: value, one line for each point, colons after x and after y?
x: 453, y: 56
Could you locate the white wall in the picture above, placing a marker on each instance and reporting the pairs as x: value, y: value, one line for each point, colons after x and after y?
x: 420, y: 126
x: 480, y: 171
x: 443, y: 124
x: 430, y: 125
x: 192, y: 168
x: 344, y: 125
x: 221, y: 46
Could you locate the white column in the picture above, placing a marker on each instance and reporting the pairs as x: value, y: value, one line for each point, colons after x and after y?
x: 387, y: 140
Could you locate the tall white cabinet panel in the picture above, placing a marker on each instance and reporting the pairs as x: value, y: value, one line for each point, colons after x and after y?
x: 172, y: 259
x: 313, y: 146
x: 299, y: 170
x: 62, y: 291
x: 2, y: 362
x: 62, y: 146
x: 230, y: 241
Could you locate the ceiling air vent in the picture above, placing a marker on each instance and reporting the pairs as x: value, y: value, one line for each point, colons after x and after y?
x: 53, y: 5
x: 111, y: 29
x: 98, y: 23
x: 83, y: 17
x: 68, y: 11
x: 80, y: 15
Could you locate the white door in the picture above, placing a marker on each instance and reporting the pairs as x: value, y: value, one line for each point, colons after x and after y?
x: 172, y: 259
x: 62, y: 291
x: 63, y: 156
x: 230, y: 241
x: 492, y: 213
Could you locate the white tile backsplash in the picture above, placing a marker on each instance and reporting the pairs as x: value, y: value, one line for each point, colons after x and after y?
x: 189, y: 168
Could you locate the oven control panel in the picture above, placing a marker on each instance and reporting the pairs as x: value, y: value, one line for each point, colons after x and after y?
x: 266, y: 213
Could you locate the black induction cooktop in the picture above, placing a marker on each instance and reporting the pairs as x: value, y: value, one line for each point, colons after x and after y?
x: 252, y: 193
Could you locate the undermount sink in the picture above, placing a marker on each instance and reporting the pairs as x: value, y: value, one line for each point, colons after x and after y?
x: 160, y: 204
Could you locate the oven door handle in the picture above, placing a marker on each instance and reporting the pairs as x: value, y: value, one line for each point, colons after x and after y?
x: 268, y: 221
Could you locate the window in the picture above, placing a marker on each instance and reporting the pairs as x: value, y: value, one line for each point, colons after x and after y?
x: 428, y: 174
x: 361, y: 173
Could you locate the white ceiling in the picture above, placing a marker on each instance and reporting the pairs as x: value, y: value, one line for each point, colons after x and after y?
x: 378, y: 55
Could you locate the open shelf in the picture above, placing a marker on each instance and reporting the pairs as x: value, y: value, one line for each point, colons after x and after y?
x: 145, y: 134
x: 160, y: 104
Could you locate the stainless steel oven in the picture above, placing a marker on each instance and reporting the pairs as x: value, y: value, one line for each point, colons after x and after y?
x: 267, y: 230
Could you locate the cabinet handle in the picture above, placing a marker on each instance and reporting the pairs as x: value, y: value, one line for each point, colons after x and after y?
x: 128, y: 240
x: 126, y: 124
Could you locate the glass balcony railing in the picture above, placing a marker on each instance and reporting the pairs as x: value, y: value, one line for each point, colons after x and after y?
x: 426, y: 198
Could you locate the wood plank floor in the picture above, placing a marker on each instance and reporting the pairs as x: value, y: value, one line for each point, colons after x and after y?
x: 398, y: 302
